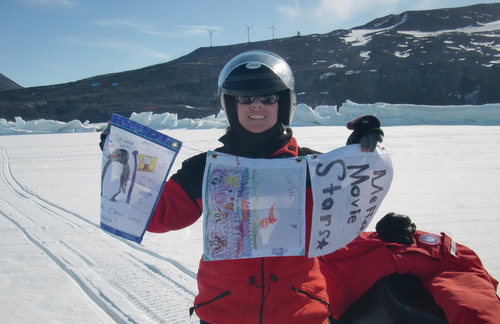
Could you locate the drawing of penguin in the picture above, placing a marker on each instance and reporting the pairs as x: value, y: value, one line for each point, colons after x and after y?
x: 121, y: 156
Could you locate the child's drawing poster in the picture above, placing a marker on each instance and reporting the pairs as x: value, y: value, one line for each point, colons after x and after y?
x: 348, y: 187
x: 136, y: 161
x: 253, y: 207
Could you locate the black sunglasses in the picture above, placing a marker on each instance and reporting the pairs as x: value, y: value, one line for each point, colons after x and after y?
x: 266, y: 100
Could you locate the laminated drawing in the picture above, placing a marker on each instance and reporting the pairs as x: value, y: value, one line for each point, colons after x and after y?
x: 253, y: 207
x: 135, y: 164
x: 256, y: 207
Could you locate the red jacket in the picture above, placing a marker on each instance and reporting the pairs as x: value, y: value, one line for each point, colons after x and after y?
x: 261, y: 290
x: 452, y: 273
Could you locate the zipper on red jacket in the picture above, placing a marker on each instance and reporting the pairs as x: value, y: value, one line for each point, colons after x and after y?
x: 262, y: 298
x: 312, y: 297
x: 264, y: 292
x: 224, y: 294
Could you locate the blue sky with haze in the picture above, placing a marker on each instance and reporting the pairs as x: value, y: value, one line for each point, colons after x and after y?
x: 48, y: 42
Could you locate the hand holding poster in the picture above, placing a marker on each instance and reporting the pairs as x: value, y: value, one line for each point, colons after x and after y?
x: 348, y: 187
x: 135, y: 165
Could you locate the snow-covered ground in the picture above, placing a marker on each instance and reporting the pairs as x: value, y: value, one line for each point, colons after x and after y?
x: 58, y: 266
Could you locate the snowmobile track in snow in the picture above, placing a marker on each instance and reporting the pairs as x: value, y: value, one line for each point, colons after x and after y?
x: 130, y: 283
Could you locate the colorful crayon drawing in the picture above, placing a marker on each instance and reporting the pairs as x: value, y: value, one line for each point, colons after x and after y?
x: 228, y: 221
x: 249, y: 211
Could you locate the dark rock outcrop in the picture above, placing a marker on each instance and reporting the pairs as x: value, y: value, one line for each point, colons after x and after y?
x: 7, y: 84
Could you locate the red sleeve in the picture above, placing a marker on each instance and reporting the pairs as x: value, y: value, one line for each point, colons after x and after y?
x: 462, y: 286
x: 175, y: 210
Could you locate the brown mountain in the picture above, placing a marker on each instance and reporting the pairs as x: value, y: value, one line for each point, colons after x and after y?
x: 435, y: 57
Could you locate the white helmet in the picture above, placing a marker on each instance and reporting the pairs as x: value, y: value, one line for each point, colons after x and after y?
x: 257, y: 73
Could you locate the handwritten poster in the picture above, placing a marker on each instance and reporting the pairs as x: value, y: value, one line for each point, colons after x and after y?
x: 253, y: 207
x: 348, y: 187
x: 136, y: 161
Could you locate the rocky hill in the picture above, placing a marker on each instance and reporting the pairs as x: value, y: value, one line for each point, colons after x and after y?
x: 7, y: 84
x: 436, y: 57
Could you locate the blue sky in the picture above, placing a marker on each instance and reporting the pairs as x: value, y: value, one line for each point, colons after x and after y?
x: 46, y: 42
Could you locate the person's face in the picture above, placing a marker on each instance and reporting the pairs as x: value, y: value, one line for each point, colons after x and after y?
x: 256, y: 116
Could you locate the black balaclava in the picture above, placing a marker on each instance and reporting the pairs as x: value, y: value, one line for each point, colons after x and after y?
x: 241, y: 142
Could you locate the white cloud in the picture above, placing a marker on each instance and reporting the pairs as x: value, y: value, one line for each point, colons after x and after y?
x: 131, y: 49
x: 49, y: 4
x: 130, y: 24
x: 194, y: 30
x: 122, y: 23
x: 140, y: 27
x: 336, y: 12
x: 345, y: 10
x: 134, y: 49
x: 292, y: 11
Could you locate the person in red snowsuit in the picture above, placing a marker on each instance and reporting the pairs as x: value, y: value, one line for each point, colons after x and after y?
x: 256, y: 90
x: 452, y: 273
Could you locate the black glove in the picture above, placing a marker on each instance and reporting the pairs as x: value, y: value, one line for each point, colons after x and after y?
x: 366, y: 131
x: 104, y: 135
x: 396, y: 228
